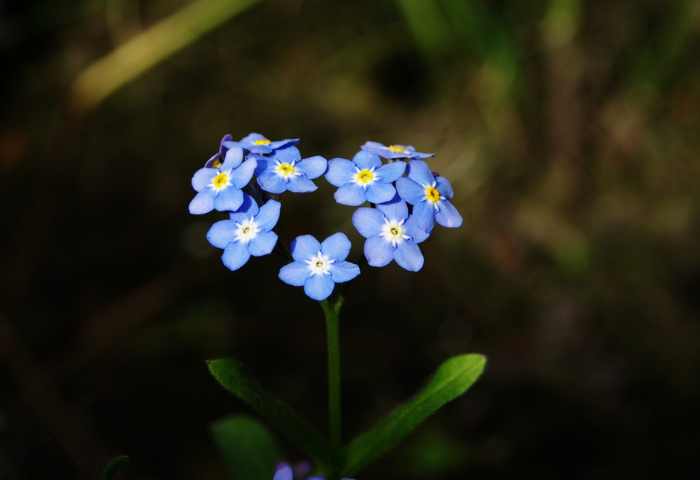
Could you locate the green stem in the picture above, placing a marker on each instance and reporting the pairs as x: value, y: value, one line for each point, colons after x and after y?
x: 332, y: 313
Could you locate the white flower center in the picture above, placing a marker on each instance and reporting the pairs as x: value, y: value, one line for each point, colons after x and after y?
x: 247, y: 230
x: 320, y: 264
x: 365, y: 177
x: 286, y: 170
x: 392, y: 231
x: 221, y: 181
x: 432, y: 195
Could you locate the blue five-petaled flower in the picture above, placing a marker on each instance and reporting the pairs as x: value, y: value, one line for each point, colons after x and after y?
x: 430, y: 196
x: 394, y: 151
x: 285, y: 170
x: 220, y: 188
x: 217, y: 159
x: 391, y: 233
x: 363, y: 179
x: 286, y: 473
x: 319, y: 266
x: 246, y: 233
x: 256, y: 143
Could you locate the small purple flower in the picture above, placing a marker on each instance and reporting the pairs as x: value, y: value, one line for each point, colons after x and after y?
x: 430, y: 196
x: 285, y: 170
x: 285, y: 473
x: 394, y: 151
x: 220, y: 188
x: 217, y: 160
x: 246, y: 233
x: 391, y: 233
x: 363, y: 178
x: 256, y: 143
x: 319, y: 266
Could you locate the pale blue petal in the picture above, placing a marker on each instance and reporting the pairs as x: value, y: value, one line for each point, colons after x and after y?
x: 373, y: 145
x: 448, y: 216
x: 336, y: 247
x: 319, y: 287
x: 419, y: 172
x: 312, y: 167
x: 300, y: 185
x: 444, y: 187
x: 378, y: 251
x: 378, y: 192
x: 242, y: 175
x: 364, y: 159
x: 229, y: 199
x: 395, y: 209
x: 368, y: 221
x: 411, y: 228
x: 263, y: 244
x: 304, y: 247
x: 202, y: 203
x: 286, y: 155
x: 203, y: 177
x: 283, y: 143
x: 271, y: 182
x: 268, y: 216
x: 295, y: 274
x: 391, y: 171
x: 421, y: 155
x: 408, y: 256
x: 410, y: 191
x: 233, y: 158
x: 247, y: 209
x: 424, y: 213
x: 235, y: 255
x: 251, y: 138
x: 284, y: 473
x: 340, y: 171
x: 263, y: 163
x: 221, y: 233
x: 343, y: 272
x: 350, y: 194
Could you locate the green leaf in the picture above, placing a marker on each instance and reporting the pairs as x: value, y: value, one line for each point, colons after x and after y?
x: 453, y: 378
x: 238, y: 381
x: 249, y: 448
x: 112, y: 466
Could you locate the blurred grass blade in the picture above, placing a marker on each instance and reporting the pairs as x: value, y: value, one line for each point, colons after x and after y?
x: 249, y: 448
x: 112, y: 466
x: 453, y: 378
x: 234, y: 378
x: 131, y: 59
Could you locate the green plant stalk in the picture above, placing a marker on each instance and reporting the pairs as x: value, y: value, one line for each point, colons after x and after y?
x: 332, y: 312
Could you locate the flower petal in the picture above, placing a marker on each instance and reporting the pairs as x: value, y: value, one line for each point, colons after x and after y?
x: 203, y: 177
x: 235, y: 255
x: 378, y: 251
x: 340, y: 171
x: 284, y: 473
x: 448, y: 216
x: 444, y: 187
x: 419, y: 172
x: 368, y: 221
x: 263, y: 163
x: 251, y: 138
x: 247, y: 209
x: 233, y: 158
x: 287, y: 154
x: 242, y: 175
x: 319, y: 287
x: 271, y: 182
x: 300, y: 185
x: 336, y: 247
x: 424, y: 214
x: 409, y: 190
x: 304, y: 247
x: 263, y: 244
x: 283, y: 143
x: 203, y: 202
x: 378, y: 192
x: 408, y: 256
x: 268, y: 216
x: 312, y: 167
x: 228, y: 199
x: 343, y: 272
x: 391, y: 171
x: 412, y: 229
x: 221, y: 233
x: 350, y: 194
x: 364, y: 159
x: 395, y: 209
x: 295, y: 274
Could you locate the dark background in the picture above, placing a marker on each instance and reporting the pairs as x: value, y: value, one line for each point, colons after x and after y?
x: 568, y: 129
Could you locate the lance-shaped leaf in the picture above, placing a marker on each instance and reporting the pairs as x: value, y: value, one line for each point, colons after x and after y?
x: 453, y: 378
x: 112, y: 466
x: 249, y: 448
x: 238, y: 381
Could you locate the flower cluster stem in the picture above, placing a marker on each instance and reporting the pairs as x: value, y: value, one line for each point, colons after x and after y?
x: 332, y: 312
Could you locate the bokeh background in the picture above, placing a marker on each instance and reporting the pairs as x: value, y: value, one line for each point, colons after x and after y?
x: 569, y: 130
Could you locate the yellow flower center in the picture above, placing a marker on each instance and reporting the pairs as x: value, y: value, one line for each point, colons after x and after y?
x: 319, y: 264
x: 246, y: 230
x: 394, y: 231
x: 394, y: 148
x: 220, y: 180
x: 365, y: 176
x: 217, y: 163
x: 261, y: 142
x: 286, y: 169
x: 432, y: 194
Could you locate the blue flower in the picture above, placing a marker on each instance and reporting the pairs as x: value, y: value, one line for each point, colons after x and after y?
x: 217, y: 160
x: 285, y: 473
x: 430, y: 196
x: 256, y: 143
x: 246, y: 233
x: 285, y: 170
x: 221, y: 188
x: 394, y: 151
x: 319, y: 266
x: 363, y: 178
x: 391, y: 233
